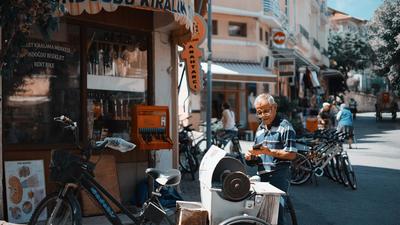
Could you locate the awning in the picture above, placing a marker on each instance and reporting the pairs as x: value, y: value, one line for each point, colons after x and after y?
x: 239, y: 72
x: 183, y: 10
x: 286, y: 53
x: 332, y: 73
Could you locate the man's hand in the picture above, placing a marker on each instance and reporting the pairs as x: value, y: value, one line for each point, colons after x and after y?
x: 262, y: 150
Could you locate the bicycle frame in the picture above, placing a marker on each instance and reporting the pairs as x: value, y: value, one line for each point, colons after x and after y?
x: 97, y: 192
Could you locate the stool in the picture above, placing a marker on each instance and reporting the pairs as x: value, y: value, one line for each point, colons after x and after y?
x: 249, y: 135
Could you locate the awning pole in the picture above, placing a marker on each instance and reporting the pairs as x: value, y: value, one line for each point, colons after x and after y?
x: 209, y: 75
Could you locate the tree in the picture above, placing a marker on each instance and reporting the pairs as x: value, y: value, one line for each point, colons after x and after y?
x: 349, y: 51
x: 16, y: 20
x: 384, y: 37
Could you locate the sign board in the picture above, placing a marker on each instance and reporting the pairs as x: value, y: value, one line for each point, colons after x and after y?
x: 286, y: 67
x: 25, y: 188
x: 192, y: 54
x: 278, y: 38
x: 183, y: 10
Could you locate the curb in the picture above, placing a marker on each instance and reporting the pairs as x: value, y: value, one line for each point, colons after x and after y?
x: 7, y: 223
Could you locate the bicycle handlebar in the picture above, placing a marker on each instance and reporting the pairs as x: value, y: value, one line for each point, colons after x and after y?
x: 65, y: 120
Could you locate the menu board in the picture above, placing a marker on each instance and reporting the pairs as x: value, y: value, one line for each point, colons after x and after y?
x: 25, y: 188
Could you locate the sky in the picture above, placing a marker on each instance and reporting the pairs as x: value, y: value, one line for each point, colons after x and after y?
x: 363, y: 9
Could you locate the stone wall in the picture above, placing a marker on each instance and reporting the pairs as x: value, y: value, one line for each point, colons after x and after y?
x: 365, y: 102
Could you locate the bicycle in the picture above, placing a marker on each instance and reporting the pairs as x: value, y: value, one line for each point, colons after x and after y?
x: 188, y: 160
x: 324, y: 156
x: 222, y: 138
x: 73, y: 172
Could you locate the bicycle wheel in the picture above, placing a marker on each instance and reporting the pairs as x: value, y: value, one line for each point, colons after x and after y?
x: 188, y: 162
x: 301, y: 169
x: 330, y: 170
x: 243, y: 220
x: 348, y: 169
x: 340, y: 171
x: 202, y: 146
x: 47, y: 212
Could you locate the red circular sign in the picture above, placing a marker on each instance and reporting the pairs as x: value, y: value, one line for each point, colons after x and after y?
x: 279, y: 38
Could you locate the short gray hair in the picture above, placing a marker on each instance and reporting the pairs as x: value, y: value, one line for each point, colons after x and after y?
x: 266, y: 97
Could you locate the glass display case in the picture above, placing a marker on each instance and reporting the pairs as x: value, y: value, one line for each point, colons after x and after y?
x: 116, y: 81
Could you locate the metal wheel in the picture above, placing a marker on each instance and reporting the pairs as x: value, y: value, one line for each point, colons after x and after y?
x: 53, y: 210
x: 188, y: 162
x: 341, y: 171
x: 301, y: 169
x: 349, y: 171
x: 244, y: 220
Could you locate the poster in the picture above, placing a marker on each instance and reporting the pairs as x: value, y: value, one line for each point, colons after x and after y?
x: 25, y: 188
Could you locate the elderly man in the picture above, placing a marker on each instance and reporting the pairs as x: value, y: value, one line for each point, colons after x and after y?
x: 278, y: 146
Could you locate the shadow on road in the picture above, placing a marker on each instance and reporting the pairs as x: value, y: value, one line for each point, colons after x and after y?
x: 374, y: 202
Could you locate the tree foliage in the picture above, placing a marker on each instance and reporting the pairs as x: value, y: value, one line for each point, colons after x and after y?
x: 16, y: 20
x: 384, y: 35
x: 349, y: 51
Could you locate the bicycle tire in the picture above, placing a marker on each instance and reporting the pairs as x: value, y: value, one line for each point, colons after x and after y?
x: 330, y: 170
x: 351, y: 176
x: 244, y: 220
x: 201, y: 146
x: 301, y: 170
x: 68, y: 211
x: 341, y: 172
x: 188, y: 162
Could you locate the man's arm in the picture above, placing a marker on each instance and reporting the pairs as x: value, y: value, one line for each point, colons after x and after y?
x: 276, y: 153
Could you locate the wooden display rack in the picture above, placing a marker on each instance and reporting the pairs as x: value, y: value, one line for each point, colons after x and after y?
x: 150, y: 127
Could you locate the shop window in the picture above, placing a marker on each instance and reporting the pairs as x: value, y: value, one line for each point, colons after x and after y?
x: 261, y: 34
x: 45, y: 84
x: 237, y: 29
x: 266, y: 38
x: 117, y: 79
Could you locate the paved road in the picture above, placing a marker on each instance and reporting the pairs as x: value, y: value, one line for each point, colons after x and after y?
x: 377, y: 164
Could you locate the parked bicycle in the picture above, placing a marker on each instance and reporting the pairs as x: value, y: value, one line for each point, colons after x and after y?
x: 323, y: 154
x: 188, y: 151
x: 74, y: 172
x: 223, y: 139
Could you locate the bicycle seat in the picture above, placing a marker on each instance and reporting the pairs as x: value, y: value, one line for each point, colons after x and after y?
x: 170, y: 177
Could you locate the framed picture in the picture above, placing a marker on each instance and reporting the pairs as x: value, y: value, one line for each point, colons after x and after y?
x: 25, y: 188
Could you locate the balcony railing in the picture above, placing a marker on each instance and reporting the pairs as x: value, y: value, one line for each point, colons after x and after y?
x: 316, y: 43
x: 304, y: 32
x: 271, y: 7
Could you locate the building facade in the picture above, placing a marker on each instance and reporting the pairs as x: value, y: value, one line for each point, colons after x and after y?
x: 274, y: 46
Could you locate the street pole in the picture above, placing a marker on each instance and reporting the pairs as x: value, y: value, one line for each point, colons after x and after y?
x: 209, y: 74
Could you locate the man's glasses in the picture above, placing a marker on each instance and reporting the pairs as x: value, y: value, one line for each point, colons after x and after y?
x: 266, y: 112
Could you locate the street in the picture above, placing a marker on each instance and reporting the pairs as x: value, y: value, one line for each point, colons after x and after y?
x: 377, y: 169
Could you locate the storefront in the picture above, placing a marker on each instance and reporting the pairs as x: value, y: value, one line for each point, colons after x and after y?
x: 101, y: 62
x: 238, y: 83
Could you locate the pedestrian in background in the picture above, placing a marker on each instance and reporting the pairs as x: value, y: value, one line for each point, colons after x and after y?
x: 353, y: 107
x: 324, y: 117
x: 228, y: 120
x: 345, y: 123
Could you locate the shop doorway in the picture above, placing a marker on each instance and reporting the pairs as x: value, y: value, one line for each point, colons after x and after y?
x: 231, y: 97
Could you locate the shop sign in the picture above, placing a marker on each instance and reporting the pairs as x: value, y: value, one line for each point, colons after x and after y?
x: 183, y: 10
x: 25, y: 188
x: 286, y: 67
x: 279, y: 38
x: 192, y: 54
